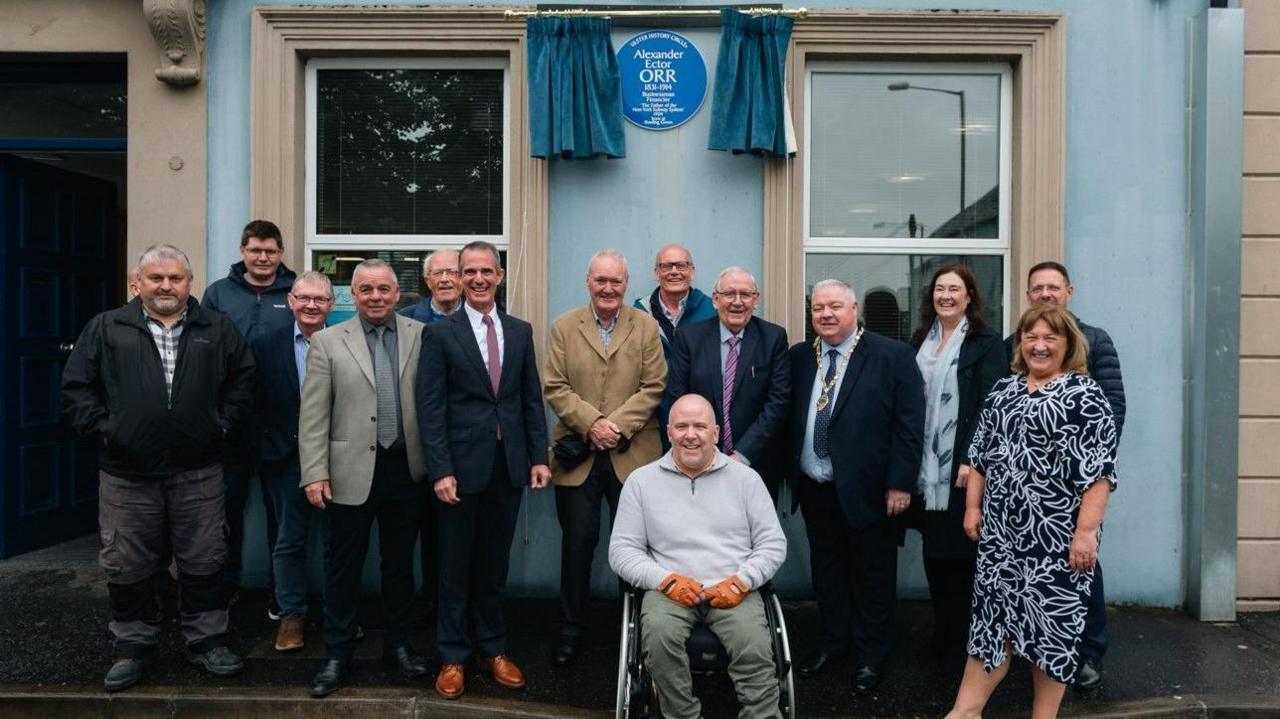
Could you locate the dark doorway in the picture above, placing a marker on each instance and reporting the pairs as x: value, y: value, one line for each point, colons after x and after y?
x: 62, y: 189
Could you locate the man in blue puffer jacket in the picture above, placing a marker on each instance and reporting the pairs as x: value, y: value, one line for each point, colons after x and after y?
x: 255, y: 295
x: 1048, y: 282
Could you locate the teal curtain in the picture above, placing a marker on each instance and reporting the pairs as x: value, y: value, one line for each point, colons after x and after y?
x: 575, y: 91
x: 748, y: 108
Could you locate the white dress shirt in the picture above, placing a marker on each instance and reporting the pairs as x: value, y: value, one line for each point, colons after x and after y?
x: 476, y: 318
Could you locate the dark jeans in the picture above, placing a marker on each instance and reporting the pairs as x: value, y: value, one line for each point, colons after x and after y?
x: 395, y: 500
x: 855, y: 574
x: 578, y: 509
x: 295, y: 516
x: 1096, y: 638
x: 137, y: 520
x: 238, y: 470
x: 475, y: 551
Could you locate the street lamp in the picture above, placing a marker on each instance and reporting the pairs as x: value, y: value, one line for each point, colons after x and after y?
x: 899, y: 86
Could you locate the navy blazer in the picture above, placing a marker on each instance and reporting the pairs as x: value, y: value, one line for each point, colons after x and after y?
x: 459, y: 414
x: 274, y: 422
x: 761, y: 387
x: 877, y: 423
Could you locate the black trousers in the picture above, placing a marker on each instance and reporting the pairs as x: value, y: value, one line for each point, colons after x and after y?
x: 951, y: 594
x: 395, y: 500
x: 855, y: 575
x: 475, y: 550
x: 578, y: 509
x: 428, y: 541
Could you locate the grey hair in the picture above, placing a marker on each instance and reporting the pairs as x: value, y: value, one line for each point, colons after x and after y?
x: 838, y: 284
x: 626, y: 273
x: 734, y: 270
x: 672, y: 246
x: 373, y: 263
x: 426, y: 261
x: 312, y: 276
x: 162, y: 252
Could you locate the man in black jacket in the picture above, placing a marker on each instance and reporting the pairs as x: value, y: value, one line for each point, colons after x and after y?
x: 1049, y: 283
x: 282, y: 365
x: 756, y: 395
x: 159, y: 384
x: 254, y: 294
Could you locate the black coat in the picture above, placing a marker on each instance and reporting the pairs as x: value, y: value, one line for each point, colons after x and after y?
x: 113, y: 391
x: 459, y: 413
x: 877, y: 423
x: 761, y: 388
x: 273, y: 426
x: 982, y: 362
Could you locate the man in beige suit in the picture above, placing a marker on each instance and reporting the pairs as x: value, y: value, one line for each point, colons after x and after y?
x: 361, y: 458
x: 604, y: 379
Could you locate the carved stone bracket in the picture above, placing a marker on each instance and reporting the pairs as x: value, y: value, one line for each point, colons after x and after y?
x: 179, y: 28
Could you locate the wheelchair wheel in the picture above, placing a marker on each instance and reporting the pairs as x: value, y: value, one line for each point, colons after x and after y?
x: 782, y: 659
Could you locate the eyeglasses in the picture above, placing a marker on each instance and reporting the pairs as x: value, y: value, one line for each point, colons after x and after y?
x: 305, y: 300
x: 447, y: 272
x: 669, y: 266
x: 265, y: 251
x: 736, y: 296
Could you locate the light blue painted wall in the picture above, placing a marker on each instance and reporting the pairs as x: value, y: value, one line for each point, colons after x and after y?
x: 1125, y: 202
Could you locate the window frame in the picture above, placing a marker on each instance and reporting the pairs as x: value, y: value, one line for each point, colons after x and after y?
x: 1032, y: 43
x: 316, y: 241
x: 1001, y: 245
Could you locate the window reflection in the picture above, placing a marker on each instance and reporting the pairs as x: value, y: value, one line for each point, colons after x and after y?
x: 904, y: 155
x: 409, y: 152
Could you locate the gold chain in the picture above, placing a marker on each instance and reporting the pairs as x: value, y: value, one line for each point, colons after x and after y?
x: 825, y: 397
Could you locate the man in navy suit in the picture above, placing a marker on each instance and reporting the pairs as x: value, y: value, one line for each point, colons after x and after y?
x: 857, y: 435
x: 739, y: 363
x: 485, y: 437
x: 282, y: 365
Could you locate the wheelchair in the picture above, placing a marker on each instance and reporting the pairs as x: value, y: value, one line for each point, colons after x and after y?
x: 637, y: 697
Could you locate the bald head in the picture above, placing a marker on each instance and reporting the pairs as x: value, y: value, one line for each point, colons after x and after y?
x: 695, y: 406
x: 692, y: 429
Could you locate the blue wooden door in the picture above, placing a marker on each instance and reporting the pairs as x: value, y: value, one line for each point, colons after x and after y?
x: 60, y: 264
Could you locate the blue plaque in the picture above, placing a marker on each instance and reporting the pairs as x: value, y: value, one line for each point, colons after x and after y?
x: 664, y: 79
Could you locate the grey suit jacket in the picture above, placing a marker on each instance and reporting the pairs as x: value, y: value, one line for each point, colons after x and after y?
x: 337, y: 422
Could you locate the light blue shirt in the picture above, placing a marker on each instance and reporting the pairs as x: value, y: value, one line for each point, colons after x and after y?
x: 819, y: 470
x: 301, y: 345
x: 725, y: 334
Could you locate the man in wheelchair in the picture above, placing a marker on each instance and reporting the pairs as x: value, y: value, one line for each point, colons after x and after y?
x: 696, y: 530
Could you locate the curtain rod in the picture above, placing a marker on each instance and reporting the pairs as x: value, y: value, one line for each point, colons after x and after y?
x: 798, y: 13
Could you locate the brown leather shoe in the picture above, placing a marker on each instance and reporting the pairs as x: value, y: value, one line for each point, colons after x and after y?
x: 289, y: 635
x: 504, y: 671
x: 451, y: 681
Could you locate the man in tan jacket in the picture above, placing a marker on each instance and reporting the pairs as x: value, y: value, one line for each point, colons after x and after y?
x: 604, y: 378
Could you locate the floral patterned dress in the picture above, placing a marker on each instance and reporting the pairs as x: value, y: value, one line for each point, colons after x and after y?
x: 1039, y: 452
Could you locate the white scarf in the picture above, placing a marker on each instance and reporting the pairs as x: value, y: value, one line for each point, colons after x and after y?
x: 942, y: 405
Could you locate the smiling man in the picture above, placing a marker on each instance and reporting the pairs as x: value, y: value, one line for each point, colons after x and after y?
x: 158, y: 385
x: 697, y: 532
x: 444, y: 288
x: 739, y: 363
x: 604, y: 378
x: 857, y: 436
x: 675, y: 301
x: 480, y: 396
x: 362, y: 460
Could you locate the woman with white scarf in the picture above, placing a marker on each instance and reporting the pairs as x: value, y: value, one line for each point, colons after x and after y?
x: 960, y: 358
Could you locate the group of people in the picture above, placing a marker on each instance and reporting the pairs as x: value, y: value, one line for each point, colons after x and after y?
x: 683, y: 412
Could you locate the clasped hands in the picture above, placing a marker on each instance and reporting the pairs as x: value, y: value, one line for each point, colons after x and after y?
x: 689, y: 592
x: 604, y: 434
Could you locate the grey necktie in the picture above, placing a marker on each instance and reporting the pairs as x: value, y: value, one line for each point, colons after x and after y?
x: 384, y: 380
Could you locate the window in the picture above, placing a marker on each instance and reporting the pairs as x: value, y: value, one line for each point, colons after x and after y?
x: 404, y: 156
x: 907, y: 170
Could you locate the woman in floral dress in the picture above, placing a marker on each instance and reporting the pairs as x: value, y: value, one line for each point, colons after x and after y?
x: 1043, y: 466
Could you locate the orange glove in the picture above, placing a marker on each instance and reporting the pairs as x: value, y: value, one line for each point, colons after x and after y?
x: 727, y: 594
x: 681, y: 589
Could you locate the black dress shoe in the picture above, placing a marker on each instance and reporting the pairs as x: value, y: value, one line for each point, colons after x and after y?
x: 331, y: 676
x: 566, y: 652
x: 1089, y: 675
x: 124, y: 673
x: 820, y: 661
x: 411, y: 665
x: 866, y: 679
